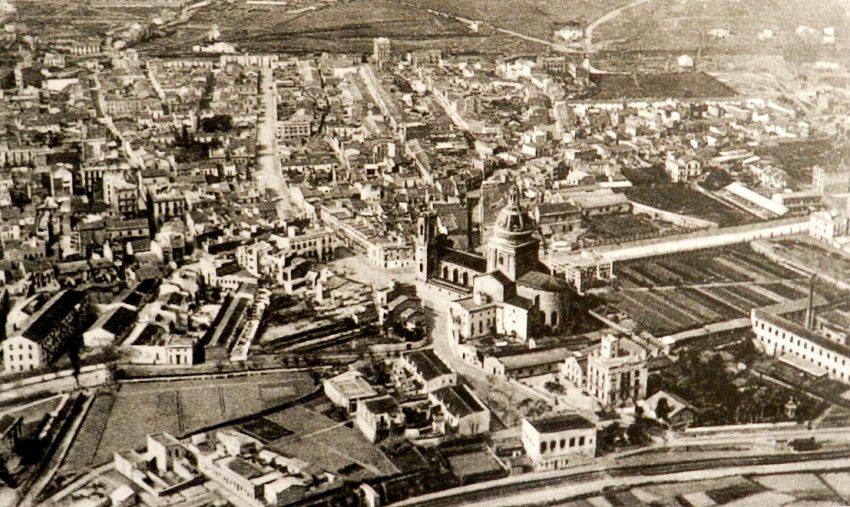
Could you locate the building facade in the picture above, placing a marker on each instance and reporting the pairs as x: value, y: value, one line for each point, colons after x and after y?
x: 559, y: 441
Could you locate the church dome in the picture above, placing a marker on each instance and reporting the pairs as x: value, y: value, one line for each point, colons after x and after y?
x: 512, y: 219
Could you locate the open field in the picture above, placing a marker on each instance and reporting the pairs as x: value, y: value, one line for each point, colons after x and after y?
x: 687, y: 201
x: 820, y: 259
x: 699, y: 288
x: 320, y: 440
x: 685, y: 25
x: 121, y: 421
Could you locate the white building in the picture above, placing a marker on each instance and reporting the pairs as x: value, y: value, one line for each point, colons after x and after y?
x: 559, y: 441
x: 617, y: 373
x: 463, y: 412
x: 346, y: 389
x: 801, y: 347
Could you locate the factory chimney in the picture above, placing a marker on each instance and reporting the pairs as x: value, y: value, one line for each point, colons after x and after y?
x: 470, y: 237
x: 810, y: 308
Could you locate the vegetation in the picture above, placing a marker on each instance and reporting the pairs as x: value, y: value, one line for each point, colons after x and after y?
x: 216, y: 123
x: 723, y: 397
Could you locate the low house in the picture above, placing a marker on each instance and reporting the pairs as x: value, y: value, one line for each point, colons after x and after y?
x: 379, y: 418
x: 464, y: 413
x: 429, y: 371
x: 111, y: 327
x: 559, y: 441
x: 347, y: 389
x: 678, y: 413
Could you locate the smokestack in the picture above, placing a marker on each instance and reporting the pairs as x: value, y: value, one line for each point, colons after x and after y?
x: 470, y: 246
x: 810, y: 310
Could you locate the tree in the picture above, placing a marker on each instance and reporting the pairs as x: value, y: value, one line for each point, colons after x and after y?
x: 663, y: 409
x: 5, y: 307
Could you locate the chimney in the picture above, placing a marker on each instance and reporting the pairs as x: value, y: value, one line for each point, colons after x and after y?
x: 470, y: 246
x: 810, y: 312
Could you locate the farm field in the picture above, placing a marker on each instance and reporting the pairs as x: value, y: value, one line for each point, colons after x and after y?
x: 626, y: 227
x: 121, y: 420
x: 698, y: 288
x: 687, y: 201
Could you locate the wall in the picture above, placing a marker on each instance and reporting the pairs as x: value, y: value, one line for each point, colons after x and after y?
x: 694, y: 241
x: 60, y: 382
x: 673, y: 218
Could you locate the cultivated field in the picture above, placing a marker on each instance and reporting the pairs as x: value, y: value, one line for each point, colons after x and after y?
x: 699, y: 288
x: 687, y: 201
x: 121, y: 421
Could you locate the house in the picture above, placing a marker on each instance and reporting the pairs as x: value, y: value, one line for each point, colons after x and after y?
x: 429, y: 371
x: 347, y: 389
x: 559, y: 441
x: 464, y: 413
x: 528, y: 363
x: 44, y: 337
x: 617, y: 372
x: 111, y: 327
x: 682, y: 171
x: 679, y: 413
x: 379, y: 418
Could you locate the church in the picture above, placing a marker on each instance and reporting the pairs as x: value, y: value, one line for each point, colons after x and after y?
x: 507, y: 291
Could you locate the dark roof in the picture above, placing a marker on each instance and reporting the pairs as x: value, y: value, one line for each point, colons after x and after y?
x: 467, y: 260
x: 230, y: 268
x: 520, y: 302
x: 562, y: 422
x: 7, y: 422
x: 53, y: 315
x: 383, y: 405
x: 147, y: 286
x: 458, y: 400
x: 120, y: 321
x: 542, y: 281
x: 428, y: 364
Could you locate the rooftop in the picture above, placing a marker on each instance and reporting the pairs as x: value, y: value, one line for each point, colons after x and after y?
x: 428, y: 364
x: 458, y: 400
x: 383, y: 405
x: 561, y: 422
x: 52, y: 314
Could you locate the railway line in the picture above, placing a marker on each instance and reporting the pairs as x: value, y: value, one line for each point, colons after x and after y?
x: 483, y: 492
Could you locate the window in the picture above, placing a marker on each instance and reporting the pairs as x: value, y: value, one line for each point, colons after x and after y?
x: 573, y: 442
x: 580, y: 440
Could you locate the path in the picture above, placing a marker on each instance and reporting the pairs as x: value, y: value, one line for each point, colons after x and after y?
x: 608, y: 16
x: 268, y: 164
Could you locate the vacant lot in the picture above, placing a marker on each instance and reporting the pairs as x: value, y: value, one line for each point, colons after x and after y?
x: 687, y: 201
x: 177, y: 407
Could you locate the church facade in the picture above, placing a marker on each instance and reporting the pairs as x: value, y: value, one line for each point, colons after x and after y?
x: 507, y: 291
